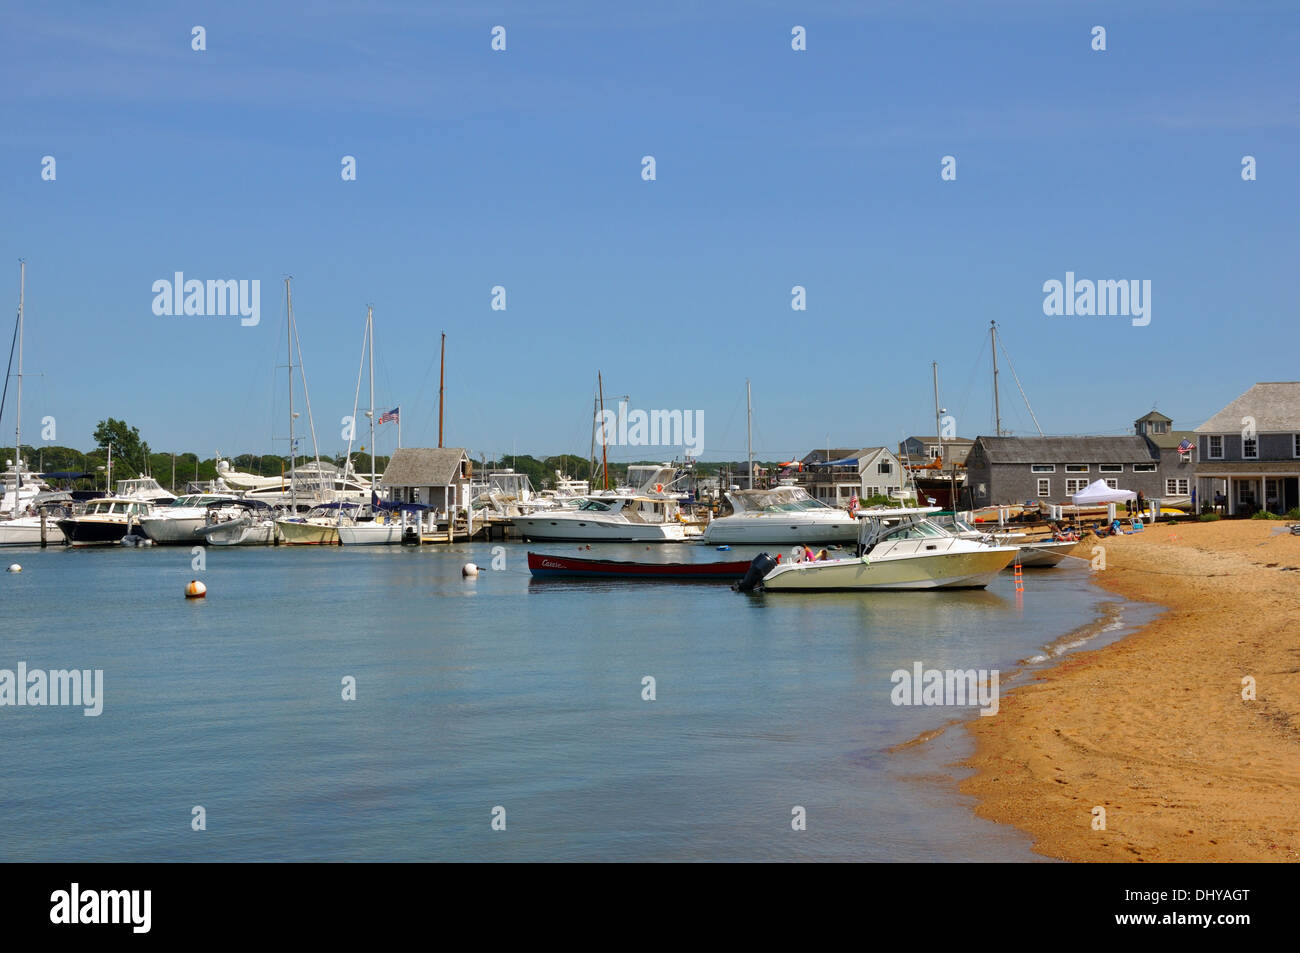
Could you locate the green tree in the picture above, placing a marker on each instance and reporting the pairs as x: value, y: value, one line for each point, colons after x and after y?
x: 127, y: 445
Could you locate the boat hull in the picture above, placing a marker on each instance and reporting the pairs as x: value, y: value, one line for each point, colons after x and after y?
x: 85, y: 532
x: 308, y: 534
x: 172, y: 532
x: 591, y: 530
x: 26, y: 531
x: 1044, y: 555
x: 544, y: 566
x: 371, y: 534
x: 240, y: 532
x: 972, y: 569
x: 770, y: 531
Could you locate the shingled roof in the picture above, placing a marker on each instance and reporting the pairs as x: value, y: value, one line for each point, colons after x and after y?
x: 419, y: 466
x: 1275, y: 407
x: 1133, y: 449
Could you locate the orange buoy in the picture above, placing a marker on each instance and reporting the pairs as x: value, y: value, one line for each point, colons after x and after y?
x: 195, y: 590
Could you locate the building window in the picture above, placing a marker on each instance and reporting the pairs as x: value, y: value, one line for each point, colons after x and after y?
x: 1043, y: 468
x: 933, y: 451
x: 1111, y: 467
x: 1076, y: 468
x: 1044, y: 487
x: 1295, y: 449
x: 1216, y: 447
x: 1176, y: 487
x: 884, y: 466
x: 1250, y: 448
x: 1144, y: 468
x: 1113, y: 483
x: 1073, y: 486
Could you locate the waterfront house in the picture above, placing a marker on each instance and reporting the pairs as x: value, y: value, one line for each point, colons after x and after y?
x: 1052, y: 469
x: 1249, y: 452
x: 835, y: 475
x: 439, y: 478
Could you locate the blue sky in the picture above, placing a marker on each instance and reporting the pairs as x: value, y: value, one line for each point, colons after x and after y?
x: 522, y: 168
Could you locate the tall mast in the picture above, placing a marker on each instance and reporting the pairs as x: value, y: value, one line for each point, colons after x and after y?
x: 18, y: 415
x: 442, y: 368
x: 604, y: 453
x: 370, y: 337
x: 288, y: 299
x: 997, y: 408
x: 749, y: 430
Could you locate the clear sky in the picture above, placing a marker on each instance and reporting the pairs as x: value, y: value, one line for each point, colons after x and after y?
x: 774, y: 168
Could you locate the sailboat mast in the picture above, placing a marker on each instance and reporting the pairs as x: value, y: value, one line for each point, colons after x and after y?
x: 370, y: 337
x: 997, y: 408
x: 18, y: 414
x: 442, y: 369
x: 288, y: 299
x: 749, y: 430
x: 604, y: 453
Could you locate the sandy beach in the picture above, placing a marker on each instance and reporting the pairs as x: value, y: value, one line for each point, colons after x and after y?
x: 1154, y: 728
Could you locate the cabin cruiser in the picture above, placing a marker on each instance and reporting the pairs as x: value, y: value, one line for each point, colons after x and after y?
x: 180, y: 521
x: 783, y: 514
x: 320, y: 527
x: 623, y: 518
x: 25, y: 530
x: 104, y: 521
x: 144, y: 489
x: 898, y: 548
x: 236, y: 522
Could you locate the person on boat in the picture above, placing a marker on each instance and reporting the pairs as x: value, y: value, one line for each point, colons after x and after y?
x: 822, y: 554
x: 808, y: 554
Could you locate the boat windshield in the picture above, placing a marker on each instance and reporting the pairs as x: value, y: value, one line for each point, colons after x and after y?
x: 594, y: 505
x: 782, y: 499
x: 916, y: 529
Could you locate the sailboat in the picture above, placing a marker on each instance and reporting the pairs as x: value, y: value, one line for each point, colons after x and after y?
x: 318, y: 527
x: 383, y: 528
x: 22, y: 528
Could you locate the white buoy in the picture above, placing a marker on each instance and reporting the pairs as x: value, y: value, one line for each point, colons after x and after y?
x: 469, y: 571
x: 14, y: 567
x: 195, y: 590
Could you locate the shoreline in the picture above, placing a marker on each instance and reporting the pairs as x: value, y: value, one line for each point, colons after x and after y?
x: 1153, y: 728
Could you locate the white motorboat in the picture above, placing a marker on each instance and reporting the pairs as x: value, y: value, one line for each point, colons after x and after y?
x: 783, y: 514
x: 386, y: 529
x: 623, y: 518
x: 320, y: 527
x: 1034, y: 554
x: 898, y: 549
x: 144, y: 489
x: 26, y: 530
x: 180, y: 521
x: 239, y: 523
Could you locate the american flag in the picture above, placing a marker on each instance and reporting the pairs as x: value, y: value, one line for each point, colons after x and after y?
x: 1185, y: 447
x: 853, y: 503
x: 389, y: 417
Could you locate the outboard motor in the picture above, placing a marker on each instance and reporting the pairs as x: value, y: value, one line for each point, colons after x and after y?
x: 760, y: 567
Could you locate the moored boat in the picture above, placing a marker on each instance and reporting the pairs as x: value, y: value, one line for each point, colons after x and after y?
x: 546, y: 565
x: 104, y: 521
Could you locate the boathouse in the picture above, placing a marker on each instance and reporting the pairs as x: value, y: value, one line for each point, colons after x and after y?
x: 1051, y: 469
x: 436, y: 477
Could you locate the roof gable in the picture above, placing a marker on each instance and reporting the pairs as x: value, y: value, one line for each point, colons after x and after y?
x: 421, y: 466
x: 1274, y: 405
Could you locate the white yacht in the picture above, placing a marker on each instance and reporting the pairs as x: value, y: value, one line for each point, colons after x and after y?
x: 21, y: 487
x: 144, y: 489
x: 180, y: 521
x: 26, y: 530
x: 623, y: 518
x: 898, y: 549
x: 783, y: 514
x: 311, y: 484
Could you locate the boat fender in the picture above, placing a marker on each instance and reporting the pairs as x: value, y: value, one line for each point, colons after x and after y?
x: 761, y: 565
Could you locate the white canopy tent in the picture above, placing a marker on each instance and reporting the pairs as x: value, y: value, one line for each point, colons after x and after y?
x: 1098, y: 492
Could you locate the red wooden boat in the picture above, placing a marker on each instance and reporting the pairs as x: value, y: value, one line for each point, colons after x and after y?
x: 545, y: 565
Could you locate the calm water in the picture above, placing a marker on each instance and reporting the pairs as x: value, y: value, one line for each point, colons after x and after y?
x: 495, y: 691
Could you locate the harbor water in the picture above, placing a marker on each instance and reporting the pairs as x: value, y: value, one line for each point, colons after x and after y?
x: 496, y: 697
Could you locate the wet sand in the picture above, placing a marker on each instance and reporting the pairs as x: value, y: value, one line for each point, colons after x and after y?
x: 1154, y: 728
